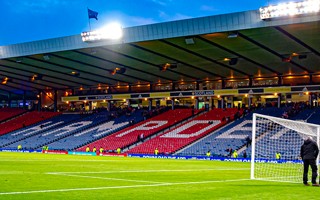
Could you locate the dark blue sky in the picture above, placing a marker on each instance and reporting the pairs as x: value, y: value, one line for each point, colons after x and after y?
x: 30, y: 20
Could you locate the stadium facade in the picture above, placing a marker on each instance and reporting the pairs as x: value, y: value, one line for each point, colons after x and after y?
x: 223, y: 60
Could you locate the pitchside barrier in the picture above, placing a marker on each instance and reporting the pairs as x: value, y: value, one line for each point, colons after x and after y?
x: 212, y: 158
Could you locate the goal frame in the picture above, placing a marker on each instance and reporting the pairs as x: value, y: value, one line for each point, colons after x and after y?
x: 253, y: 144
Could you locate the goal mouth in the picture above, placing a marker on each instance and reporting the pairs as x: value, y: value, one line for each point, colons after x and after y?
x: 275, y: 150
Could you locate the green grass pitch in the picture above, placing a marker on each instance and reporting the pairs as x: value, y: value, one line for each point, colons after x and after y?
x: 43, y: 176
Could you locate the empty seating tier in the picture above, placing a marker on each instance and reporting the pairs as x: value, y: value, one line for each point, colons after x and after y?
x: 148, y: 127
x: 175, y: 139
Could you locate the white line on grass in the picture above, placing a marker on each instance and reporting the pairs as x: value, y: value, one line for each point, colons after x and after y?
x: 145, y: 171
x: 116, y: 179
x: 119, y: 187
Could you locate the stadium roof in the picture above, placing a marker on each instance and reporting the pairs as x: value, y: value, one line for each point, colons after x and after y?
x: 236, y: 45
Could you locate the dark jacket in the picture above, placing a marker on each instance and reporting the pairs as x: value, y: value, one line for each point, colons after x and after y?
x: 309, y: 150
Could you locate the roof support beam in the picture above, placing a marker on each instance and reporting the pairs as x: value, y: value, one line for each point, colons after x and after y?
x: 297, y: 40
x: 238, y: 55
x: 271, y: 51
x: 178, y: 61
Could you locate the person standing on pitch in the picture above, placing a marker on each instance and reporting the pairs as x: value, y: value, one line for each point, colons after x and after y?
x: 309, y: 153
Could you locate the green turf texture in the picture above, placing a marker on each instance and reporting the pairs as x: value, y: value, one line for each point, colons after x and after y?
x: 42, y: 176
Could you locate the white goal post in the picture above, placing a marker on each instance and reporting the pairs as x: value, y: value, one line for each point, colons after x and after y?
x: 272, y: 135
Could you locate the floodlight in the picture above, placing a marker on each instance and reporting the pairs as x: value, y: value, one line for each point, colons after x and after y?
x: 290, y: 9
x: 112, y: 31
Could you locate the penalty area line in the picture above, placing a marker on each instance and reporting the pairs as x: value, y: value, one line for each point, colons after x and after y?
x: 118, y: 187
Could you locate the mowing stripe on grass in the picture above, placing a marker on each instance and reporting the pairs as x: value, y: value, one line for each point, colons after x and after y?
x: 116, y: 179
x: 146, y: 171
x: 119, y: 187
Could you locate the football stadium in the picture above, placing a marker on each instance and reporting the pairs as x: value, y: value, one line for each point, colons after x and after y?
x: 213, y: 107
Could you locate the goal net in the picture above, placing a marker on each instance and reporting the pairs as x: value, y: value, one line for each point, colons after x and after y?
x: 271, y: 136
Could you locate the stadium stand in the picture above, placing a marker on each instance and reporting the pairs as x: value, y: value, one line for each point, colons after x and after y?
x: 37, y: 128
x: 24, y: 120
x: 7, y: 113
x: 47, y: 137
x: 174, y: 139
x: 314, y: 117
x: 232, y: 136
x: 99, y: 131
x: 72, y: 130
x: 149, y: 127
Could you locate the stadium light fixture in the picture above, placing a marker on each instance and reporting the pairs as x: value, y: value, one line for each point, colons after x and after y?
x: 232, y: 35
x: 165, y: 66
x: 290, y: 9
x: 75, y: 73
x: 118, y: 70
x: 36, y: 77
x: 46, y: 57
x: 189, y: 40
x: 4, y: 80
x: 233, y: 61
x: 19, y: 60
x: 112, y: 31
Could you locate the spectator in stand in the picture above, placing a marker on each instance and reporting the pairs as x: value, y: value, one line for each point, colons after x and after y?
x: 285, y: 115
x: 156, y: 151
x: 244, y: 154
x: 138, y: 138
x: 44, y: 148
x: 141, y: 137
x: 101, y: 150
x: 235, y: 154
x: 230, y: 152
x: 248, y: 141
x: 236, y: 115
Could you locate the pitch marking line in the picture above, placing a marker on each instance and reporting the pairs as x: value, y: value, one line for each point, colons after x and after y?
x: 73, y: 174
x: 119, y: 187
x: 146, y: 171
x: 116, y: 179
